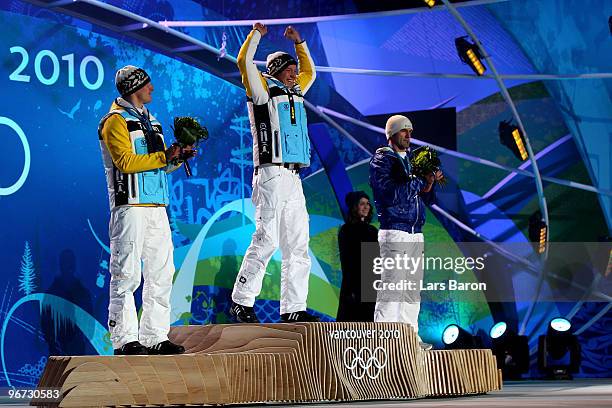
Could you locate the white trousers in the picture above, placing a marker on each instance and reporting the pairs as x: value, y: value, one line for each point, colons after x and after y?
x: 281, y: 220
x: 141, y: 244
x: 400, y: 306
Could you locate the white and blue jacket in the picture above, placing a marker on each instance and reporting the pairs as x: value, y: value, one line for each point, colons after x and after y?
x: 276, y: 112
x: 135, y: 166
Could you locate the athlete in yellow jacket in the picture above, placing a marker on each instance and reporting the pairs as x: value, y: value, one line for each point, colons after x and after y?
x: 136, y: 162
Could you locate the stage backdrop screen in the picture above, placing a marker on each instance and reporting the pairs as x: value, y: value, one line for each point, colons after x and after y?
x: 56, y: 82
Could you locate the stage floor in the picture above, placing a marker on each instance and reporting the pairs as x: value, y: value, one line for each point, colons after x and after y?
x: 577, y: 393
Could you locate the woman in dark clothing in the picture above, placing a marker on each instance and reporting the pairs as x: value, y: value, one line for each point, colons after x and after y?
x: 356, y: 230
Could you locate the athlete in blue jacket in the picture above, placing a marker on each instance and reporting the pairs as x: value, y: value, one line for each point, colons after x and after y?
x: 400, y: 198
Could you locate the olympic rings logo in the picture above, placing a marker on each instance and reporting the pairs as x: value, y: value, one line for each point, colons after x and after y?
x: 365, y: 361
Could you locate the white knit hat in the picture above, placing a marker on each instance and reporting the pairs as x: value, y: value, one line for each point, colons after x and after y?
x: 396, y: 123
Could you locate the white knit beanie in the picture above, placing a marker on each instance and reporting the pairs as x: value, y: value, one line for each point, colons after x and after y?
x: 396, y: 123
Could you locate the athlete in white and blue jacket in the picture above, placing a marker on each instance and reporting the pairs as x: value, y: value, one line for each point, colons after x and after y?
x: 136, y: 162
x: 281, y: 146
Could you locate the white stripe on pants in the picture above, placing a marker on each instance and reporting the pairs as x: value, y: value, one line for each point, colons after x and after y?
x: 400, y: 307
x: 281, y: 220
x: 140, y: 234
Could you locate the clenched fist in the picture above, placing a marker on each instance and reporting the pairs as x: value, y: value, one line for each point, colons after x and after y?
x: 292, y: 34
x: 261, y: 28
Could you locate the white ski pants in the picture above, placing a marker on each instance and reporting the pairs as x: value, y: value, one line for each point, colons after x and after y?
x: 140, y: 244
x: 395, y: 306
x: 281, y: 220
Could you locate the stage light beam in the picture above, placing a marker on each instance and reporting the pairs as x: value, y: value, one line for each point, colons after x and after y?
x: 450, y: 334
x: 560, y: 324
x: 498, y: 330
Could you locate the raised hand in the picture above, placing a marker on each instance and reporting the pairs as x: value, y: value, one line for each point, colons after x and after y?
x: 292, y: 34
x: 261, y: 28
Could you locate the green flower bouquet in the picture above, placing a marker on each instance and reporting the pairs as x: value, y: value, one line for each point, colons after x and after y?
x: 188, y: 132
x: 425, y: 161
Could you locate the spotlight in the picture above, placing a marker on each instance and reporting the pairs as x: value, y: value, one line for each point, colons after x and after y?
x: 454, y: 337
x: 498, y: 330
x: 559, y: 324
x: 511, y: 137
x: 510, y: 350
x: 537, y: 231
x: 430, y: 3
x: 470, y: 54
x: 559, y: 350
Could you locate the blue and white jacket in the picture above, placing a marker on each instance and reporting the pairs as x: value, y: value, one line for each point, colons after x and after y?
x: 399, y: 202
x: 135, y: 172
x: 276, y: 112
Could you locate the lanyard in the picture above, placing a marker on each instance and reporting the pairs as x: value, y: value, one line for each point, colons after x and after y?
x: 153, y: 144
x: 145, y: 120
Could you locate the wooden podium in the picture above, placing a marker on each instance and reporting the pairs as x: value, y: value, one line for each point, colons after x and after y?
x: 276, y: 363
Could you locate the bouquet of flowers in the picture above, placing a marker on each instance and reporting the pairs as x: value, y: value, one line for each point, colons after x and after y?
x: 188, y: 132
x: 425, y: 161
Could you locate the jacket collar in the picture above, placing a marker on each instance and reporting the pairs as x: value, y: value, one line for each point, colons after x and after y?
x: 388, y: 151
x: 278, y: 83
x: 129, y: 107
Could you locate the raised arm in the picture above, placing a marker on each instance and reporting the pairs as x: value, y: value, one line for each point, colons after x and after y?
x: 254, y: 84
x: 306, y: 67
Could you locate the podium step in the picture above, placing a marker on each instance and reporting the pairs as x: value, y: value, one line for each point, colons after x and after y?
x: 255, y: 363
